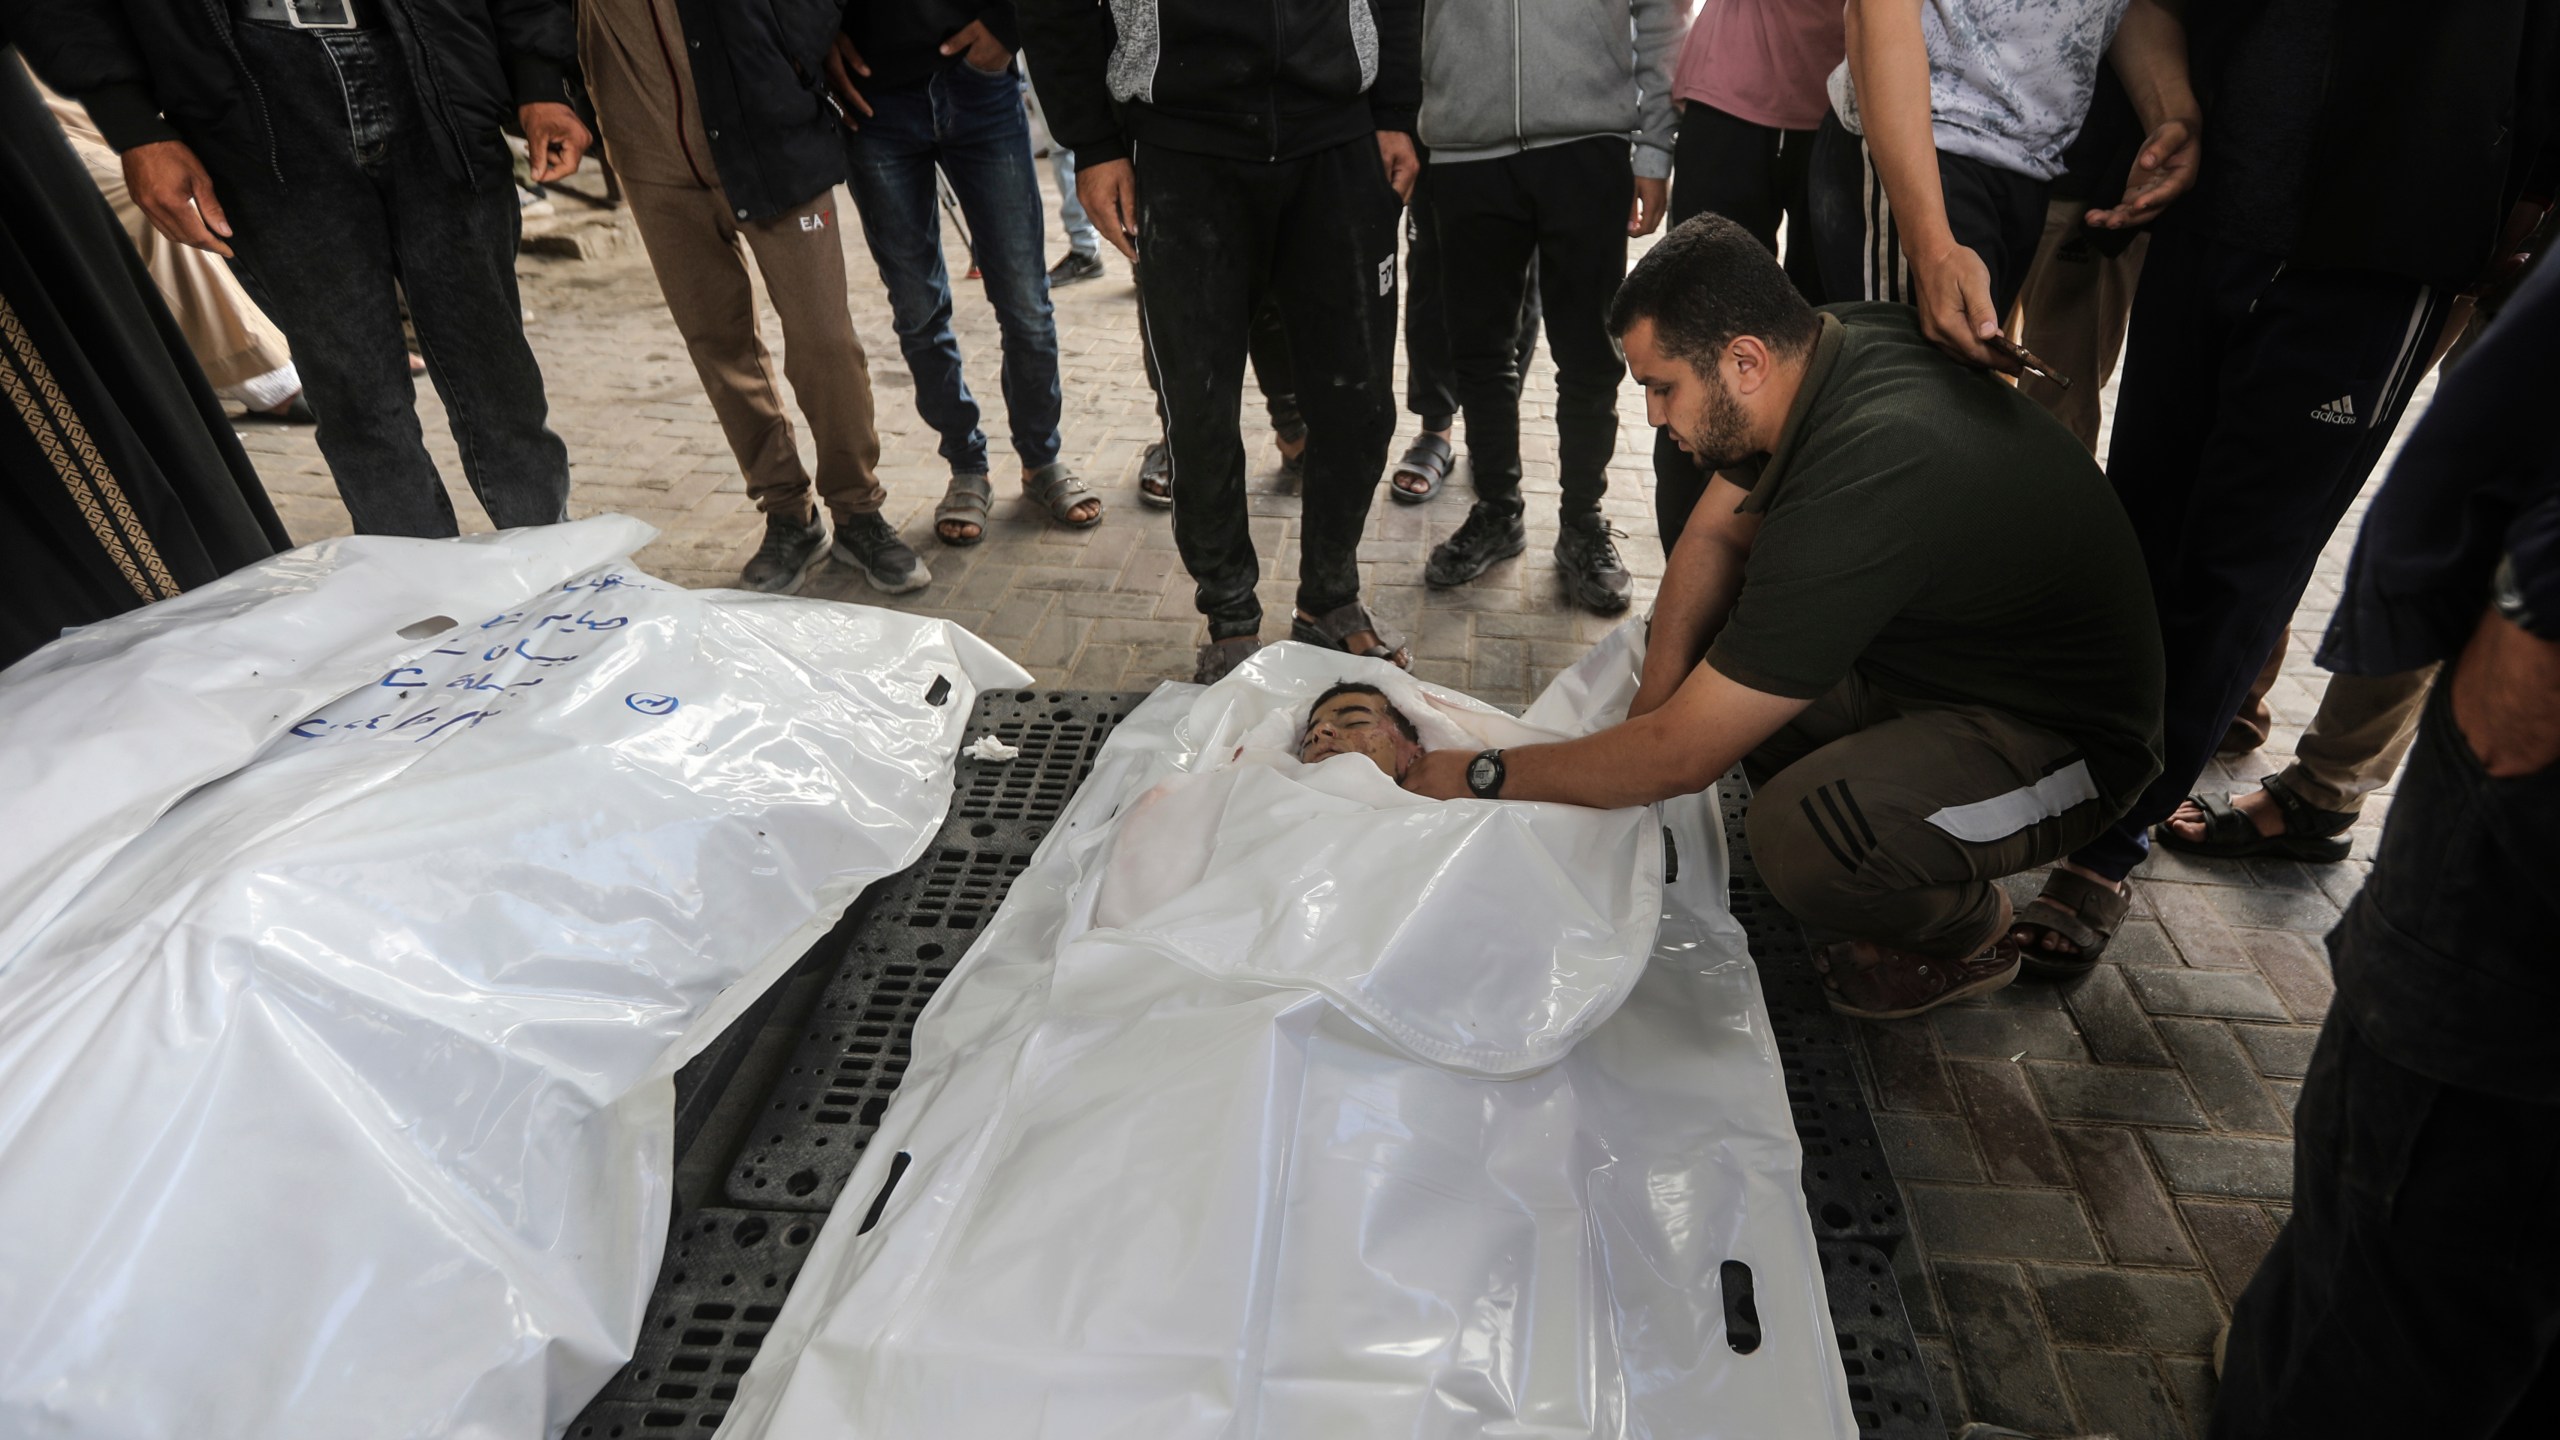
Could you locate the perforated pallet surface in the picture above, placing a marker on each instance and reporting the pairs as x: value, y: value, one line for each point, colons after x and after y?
x: 852, y: 1051
x: 728, y: 1267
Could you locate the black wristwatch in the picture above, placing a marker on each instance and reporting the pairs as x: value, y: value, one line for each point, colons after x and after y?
x: 1484, y: 775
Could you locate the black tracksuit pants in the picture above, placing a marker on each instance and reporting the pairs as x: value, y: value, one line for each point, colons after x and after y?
x: 1219, y: 237
x: 1564, y: 208
x: 1753, y: 175
x: 2257, y: 397
x: 1430, y: 383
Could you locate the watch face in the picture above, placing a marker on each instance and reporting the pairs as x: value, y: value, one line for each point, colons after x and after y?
x: 1482, y: 773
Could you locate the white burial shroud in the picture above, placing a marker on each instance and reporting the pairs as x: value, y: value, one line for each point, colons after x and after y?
x: 357, y: 908
x: 1279, y: 1103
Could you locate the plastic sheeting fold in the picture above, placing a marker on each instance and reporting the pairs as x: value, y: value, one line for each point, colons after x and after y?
x: 1276, y: 1102
x: 360, y: 907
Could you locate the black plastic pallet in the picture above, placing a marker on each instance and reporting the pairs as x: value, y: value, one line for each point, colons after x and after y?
x: 852, y: 1051
x: 718, y: 1292
x: 728, y: 1266
x: 1849, y: 1190
x: 1889, y: 1393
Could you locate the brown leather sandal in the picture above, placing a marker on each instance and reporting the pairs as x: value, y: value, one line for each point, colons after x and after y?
x: 1332, y: 628
x: 1877, y: 982
x: 2079, y: 910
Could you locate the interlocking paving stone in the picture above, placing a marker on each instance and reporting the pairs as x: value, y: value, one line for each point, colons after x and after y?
x: 2015, y: 1138
x: 2133, y: 1211
x: 2191, y: 1380
x: 2197, y: 926
x: 1928, y: 1147
x: 2142, y: 942
x: 2008, y: 1032
x: 2116, y: 1092
x: 2281, y: 1052
x: 2005, y: 1224
x: 2223, y: 1165
x: 2221, y: 1075
x: 2225, y: 994
x: 1908, y: 1074
x: 2255, y: 908
x: 2234, y: 1237
x: 2166, y: 1310
x: 2121, y: 1394
x: 2010, y: 1377
x: 2112, y: 1021
x: 2298, y: 968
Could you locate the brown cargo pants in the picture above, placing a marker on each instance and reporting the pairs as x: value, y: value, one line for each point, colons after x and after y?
x: 1872, y: 822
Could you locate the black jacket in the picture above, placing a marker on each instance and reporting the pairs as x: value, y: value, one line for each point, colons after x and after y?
x: 2430, y: 118
x: 760, y: 74
x: 152, y: 70
x: 901, y: 40
x: 1247, y: 79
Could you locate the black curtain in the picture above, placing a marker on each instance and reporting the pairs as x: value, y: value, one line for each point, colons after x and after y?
x: 121, y: 482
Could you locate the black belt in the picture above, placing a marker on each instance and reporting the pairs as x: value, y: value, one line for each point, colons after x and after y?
x: 321, y: 15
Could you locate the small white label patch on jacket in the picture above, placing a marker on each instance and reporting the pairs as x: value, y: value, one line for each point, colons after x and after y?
x: 2341, y: 411
x: 1387, y: 276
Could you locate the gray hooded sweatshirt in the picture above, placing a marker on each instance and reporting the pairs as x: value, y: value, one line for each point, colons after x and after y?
x: 1503, y: 76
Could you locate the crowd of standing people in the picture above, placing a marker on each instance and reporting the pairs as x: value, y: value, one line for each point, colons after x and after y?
x: 1910, y: 239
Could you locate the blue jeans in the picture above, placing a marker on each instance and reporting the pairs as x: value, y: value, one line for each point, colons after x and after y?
x: 1082, y: 238
x: 972, y: 126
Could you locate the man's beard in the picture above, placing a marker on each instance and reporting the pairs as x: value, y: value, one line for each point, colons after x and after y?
x: 1723, y: 436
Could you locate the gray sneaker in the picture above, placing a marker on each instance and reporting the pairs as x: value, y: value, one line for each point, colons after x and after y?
x: 868, y: 544
x: 793, y: 548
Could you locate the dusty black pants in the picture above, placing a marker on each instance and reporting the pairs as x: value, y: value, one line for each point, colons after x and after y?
x: 1561, y: 208
x: 1755, y: 176
x: 1219, y: 237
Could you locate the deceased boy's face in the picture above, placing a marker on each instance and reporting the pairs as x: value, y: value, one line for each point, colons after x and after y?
x: 1360, y: 724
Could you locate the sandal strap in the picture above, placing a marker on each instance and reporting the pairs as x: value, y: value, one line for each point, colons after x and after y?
x: 1058, y: 489
x: 969, y: 497
x: 1428, y: 456
x: 2078, y: 909
x: 2301, y: 817
x: 1343, y: 621
x: 2224, y: 825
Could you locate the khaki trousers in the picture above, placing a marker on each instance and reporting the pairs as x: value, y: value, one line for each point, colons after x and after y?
x: 1870, y: 822
x: 699, y: 251
x: 2072, y: 313
x: 234, y: 342
x: 2358, y: 737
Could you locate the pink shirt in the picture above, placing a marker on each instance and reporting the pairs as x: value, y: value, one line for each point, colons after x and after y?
x: 1762, y: 60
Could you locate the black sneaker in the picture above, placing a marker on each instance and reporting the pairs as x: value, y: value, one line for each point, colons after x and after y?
x: 1484, y: 539
x: 793, y: 547
x: 866, y: 543
x: 1587, y: 561
x: 1077, y: 266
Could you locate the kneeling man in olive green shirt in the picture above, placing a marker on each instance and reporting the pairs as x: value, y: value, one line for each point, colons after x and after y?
x: 1908, y: 603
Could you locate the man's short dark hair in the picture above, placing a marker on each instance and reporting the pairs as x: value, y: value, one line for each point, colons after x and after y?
x: 1363, y: 687
x: 1707, y: 283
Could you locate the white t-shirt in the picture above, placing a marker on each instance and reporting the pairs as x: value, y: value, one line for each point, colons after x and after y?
x: 2009, y: 80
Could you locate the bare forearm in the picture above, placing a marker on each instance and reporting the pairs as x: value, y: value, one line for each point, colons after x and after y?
x: 2150, y: 57
x: 1697, y: 593
x: 1636, y: 763
x: 1889, y: 63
